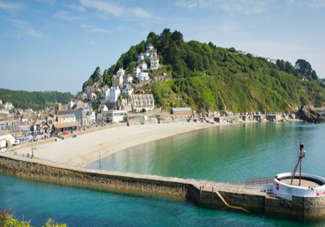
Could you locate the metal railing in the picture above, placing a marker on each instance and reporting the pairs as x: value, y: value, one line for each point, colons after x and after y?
x: 259, y: 181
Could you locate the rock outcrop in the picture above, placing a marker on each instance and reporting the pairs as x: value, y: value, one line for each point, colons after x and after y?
x: 308, y: 114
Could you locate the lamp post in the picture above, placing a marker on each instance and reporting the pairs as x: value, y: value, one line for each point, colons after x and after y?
x: 100, y: 160
x: 33, y: 145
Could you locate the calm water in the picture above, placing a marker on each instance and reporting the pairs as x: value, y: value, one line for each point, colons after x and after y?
x: 230, y: 153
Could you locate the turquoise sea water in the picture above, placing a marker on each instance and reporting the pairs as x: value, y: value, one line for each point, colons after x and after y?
x: 230, y: 153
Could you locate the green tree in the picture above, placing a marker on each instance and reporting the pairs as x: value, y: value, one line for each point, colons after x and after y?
x: 177, y: 37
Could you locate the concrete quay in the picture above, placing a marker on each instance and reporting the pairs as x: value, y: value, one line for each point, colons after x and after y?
x: 202, y: 192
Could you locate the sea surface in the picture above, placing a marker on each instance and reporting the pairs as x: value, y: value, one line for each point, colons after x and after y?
x: 231, y: 153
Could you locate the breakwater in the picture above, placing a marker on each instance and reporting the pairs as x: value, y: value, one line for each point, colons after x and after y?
x: 202, y: 192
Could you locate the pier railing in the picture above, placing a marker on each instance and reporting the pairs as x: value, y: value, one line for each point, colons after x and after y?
x: 259, y: 181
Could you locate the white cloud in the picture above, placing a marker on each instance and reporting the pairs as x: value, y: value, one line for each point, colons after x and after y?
x: 52, y: 2
x: 94, y: 29
x: 80, y: 8
x: 312, y: 4
x: 10, y: 6
x: 100, y: 30
x: 138, y: 12
x: 123, y: 29
x: 106, y: 7
x: 187, y: 4
x: 241, y: 6
x: 26, y: 28
x: 114, y: 9
x: 91, y: 42
x: 229, y: 27
x: 33, y: 33
x: 65, y: 16
x: 317, y: 4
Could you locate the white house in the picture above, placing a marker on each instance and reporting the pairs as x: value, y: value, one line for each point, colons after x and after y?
x: 114, y: 116
x: 105, y: 94
x: 140, y: 102
x: 143, y: 76
x: 127, y: 79
x: 8, y: 106
x: 149, y: 46
x: 117, y: 80
x: 146, y: 54
x: 136, y: 71
x: 127, y: 89
x: 114, y: 94
x: 120, y: 72
x: 140, y: 57
x: 154, y: 62
x: 66, y: 118
x: 4, y: 111
x: 6, y: 140
x: 70, y: 105
x: 102, y: 108
x: 93, y: 96
x: 143, y: 66
x: 124, y: 104
x: 65, y: 122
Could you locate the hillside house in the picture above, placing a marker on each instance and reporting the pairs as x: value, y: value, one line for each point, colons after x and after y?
x: 127, y: 79
x: 117, y: 80
x: 143, y: 66
x: 120, y: 72
x: 124, y: 104
x: 140, y: 57
x: 127, y: 89
x: 102, y: 108
x: 8, y: 105
x: 149, y: 47
x: 88, y: 91
x: 114, y: 94
x: 143, y: 101
x: 136, y: 71
x: 154, y: 62
x: 143, y: 76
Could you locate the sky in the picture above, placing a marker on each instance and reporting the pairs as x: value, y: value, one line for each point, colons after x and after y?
x: 55, y: 45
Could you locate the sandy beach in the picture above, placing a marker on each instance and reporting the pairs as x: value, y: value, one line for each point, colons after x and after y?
x: 85, y: 148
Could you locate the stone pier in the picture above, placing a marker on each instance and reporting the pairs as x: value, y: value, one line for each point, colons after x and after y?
x: 202, y: 192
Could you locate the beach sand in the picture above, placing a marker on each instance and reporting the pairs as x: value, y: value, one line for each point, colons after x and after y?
x: 85, y: 148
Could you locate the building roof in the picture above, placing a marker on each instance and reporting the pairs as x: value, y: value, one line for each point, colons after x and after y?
x: 5, y: 132
x: 65, y: 124
x: 181, y: 109
x: 77, y: 113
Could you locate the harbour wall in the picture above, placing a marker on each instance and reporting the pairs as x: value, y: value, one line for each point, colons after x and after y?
x: 202, y: 192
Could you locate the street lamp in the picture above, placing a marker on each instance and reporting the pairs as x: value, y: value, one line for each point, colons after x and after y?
x: 100, y: 160
x: 33, y: 145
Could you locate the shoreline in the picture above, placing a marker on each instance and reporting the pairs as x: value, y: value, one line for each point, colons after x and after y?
x: 88, y: 147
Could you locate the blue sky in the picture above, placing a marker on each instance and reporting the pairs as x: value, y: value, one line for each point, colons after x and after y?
x: 55, y: 45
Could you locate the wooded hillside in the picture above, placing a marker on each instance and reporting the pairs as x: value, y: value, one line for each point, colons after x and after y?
x: 208, y: 77
x: 36, y: 100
